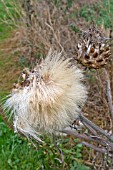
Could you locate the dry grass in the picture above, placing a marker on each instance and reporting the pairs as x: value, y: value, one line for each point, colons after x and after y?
x: 9, y: 70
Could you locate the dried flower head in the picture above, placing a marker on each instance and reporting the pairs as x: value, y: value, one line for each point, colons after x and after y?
x: 49, y: 98
x: 93, y: 49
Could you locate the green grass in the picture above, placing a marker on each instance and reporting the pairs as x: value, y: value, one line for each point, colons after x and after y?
x: 18, y: 153
x: 103, y: 13
x: 8, y: 13
x: 4, y: 29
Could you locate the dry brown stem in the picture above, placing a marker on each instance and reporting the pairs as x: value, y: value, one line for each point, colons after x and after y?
x: 109, y: 96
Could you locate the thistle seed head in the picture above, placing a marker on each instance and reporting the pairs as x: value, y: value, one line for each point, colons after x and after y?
x: 49, y: 98
x: 93, y: 49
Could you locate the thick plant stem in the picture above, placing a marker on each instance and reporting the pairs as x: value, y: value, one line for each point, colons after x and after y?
x: 109, y: 96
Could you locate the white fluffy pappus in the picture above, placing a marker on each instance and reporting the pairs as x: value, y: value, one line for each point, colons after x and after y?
x: 49, y: 98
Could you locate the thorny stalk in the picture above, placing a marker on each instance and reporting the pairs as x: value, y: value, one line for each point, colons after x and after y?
x: 95, y: 127
x: 102, y: 150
